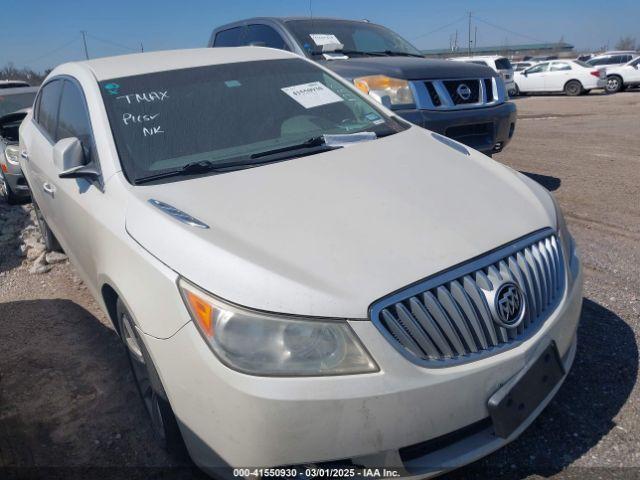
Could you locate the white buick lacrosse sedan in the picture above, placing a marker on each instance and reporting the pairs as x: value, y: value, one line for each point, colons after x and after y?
x: 302, y: 279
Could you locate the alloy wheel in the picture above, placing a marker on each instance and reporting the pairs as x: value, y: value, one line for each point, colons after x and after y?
x: 150, y: 398
x: 613, y: 84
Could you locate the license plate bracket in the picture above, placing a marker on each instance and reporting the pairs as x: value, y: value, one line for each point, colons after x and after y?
x: 515, y: 401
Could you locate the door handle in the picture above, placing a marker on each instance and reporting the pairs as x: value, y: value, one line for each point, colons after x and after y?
x: 24, y: 154
x: 48, y: 188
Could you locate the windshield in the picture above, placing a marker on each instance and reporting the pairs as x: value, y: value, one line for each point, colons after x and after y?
x: 10, y: 103
x: 164, y: 121
x: 355, y: 36
x: 503, y: 64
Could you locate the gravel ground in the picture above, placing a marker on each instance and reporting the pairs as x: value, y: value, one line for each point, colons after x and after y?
x: 68, y: 407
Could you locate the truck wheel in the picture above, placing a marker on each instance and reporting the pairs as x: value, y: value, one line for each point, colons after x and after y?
x: 163, y: 421
x: 614, y: 84
x: 6, y: 193
x: 573, y: 88
x: 50, y: 242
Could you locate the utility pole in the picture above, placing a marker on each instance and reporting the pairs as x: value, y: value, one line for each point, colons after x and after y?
x: 455, y: 42
x: 475, y: 38
x: 84, y: 42
x: 469, y: 36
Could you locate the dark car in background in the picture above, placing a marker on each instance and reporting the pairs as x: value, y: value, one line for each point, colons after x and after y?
x: 465, y: 102
x: 14, y: 105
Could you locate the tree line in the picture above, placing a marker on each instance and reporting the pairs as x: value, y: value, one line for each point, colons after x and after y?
x: 10, y: 72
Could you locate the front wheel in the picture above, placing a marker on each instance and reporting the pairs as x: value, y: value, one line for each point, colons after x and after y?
x: 573, y: 88
x: 614, y: 84
x: 163, y: 421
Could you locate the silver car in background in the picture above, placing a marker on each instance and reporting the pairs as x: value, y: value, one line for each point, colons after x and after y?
x: 14, y: 106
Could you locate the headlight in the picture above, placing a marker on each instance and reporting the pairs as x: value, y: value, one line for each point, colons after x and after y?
x: 566, y: 240
x: 12, y: 153
x: 266, y: 344
x: 378, y: 86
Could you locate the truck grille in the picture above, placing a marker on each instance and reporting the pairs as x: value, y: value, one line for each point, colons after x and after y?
x: 456, y: 93
x: 471, y: 86
x: 447, y: 320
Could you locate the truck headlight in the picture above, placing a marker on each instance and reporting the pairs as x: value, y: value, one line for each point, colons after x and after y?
x: 12, y: 152
x: 379, y: 86
x: 260, y: 343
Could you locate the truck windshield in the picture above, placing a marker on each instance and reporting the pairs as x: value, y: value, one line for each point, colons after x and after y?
x: 359, y: 37
x: 230, y: 114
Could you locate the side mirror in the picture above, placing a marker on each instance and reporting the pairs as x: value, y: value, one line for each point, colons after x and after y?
x: 525, y: 73
x: 68, y: 157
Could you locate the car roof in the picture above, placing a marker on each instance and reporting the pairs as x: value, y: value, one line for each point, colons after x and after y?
x: 5, y: 92
x: 294, y: 18
x: 151, y: 62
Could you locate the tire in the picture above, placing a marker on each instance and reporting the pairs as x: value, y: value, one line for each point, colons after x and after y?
x: 573, y: 88
x: 50, y: 241
x: 163, y: 421
x: 614, y: 84
x: 516, y: 91
x: 6, y: 193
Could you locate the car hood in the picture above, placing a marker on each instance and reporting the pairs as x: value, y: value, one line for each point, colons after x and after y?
x: 326, y: 235
x: 407, y: 68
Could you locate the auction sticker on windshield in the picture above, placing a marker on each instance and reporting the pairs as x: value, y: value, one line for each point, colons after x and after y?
x: 324, y: 39
x: 312, y: 94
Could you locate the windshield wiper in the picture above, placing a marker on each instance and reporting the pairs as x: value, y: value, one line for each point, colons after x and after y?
x: 310, y: 146
x: 310, y: 143
x: 193, y: 168
x: 397, y: 54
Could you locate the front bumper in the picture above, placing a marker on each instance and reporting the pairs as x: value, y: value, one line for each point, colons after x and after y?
x: 488, y: 129
x: 232, y: 419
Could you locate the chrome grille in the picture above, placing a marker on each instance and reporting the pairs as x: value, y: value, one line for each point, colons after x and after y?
x: 446, y: 319
x: 443, y: 94
x: 472, y: 85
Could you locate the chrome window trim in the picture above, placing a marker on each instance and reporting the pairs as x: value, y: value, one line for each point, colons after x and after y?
x: 456, y: 272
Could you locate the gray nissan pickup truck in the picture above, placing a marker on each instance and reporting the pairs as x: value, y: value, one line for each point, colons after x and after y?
x: 463, y: 101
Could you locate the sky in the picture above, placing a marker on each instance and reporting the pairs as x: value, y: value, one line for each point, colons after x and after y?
x: 43, y: 33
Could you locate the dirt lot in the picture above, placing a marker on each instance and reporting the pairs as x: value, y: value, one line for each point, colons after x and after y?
x: 67, y: 399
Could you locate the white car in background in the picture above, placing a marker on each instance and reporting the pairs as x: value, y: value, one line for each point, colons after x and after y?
x: 611, y: 59
x: 502, y: 65
x: 569, y: 76
x: 621, y: 77
x: 264, y: 239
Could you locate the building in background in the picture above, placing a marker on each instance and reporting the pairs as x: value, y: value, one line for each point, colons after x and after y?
x: 561, y: 49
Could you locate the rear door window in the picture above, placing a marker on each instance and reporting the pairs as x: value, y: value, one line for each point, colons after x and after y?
x: 229, y: 38
x: 264, y: 36
x: 48, y: 109
x: 558, y: 67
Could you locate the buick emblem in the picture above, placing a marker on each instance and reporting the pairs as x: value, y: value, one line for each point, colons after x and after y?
x: 507, y: 304
x: 463, y: 91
